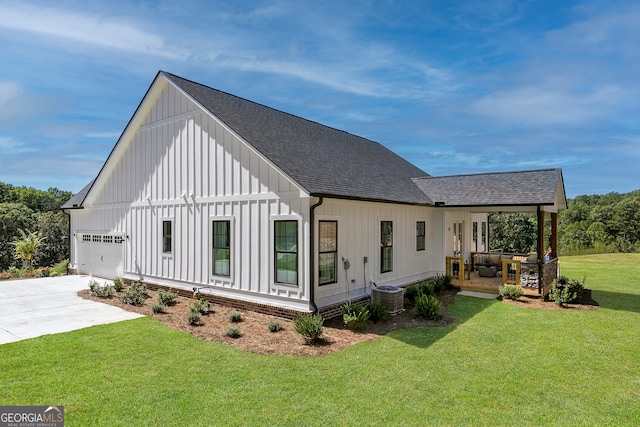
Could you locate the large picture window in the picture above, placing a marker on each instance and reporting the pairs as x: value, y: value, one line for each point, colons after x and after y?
x: 167, y: 237
x: 420, y: 236
x: 327, y: 251
x: 386, y: 246
x: 221, y: 248
x: 286, y: 252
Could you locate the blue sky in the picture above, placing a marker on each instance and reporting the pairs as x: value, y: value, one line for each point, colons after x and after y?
x: 454, y: 87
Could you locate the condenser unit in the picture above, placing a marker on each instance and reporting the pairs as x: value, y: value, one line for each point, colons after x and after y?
x: 390, y: 297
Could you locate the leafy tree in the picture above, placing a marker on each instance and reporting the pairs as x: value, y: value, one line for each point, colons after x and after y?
x: 13, y: 217
x: 512, y: 232
x: 27, y: 247
x: 54, y: 227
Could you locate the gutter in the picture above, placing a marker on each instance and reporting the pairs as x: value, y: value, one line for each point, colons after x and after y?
x: 312, y: 240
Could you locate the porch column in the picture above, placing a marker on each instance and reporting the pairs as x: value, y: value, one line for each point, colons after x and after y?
x: 540, y: 248
x: 554, y: 235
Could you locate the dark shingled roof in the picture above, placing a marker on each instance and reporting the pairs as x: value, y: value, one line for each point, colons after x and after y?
x: 333, y: 163
x: 537, y: 187
x: 76, y: 201
x: 323, y: 160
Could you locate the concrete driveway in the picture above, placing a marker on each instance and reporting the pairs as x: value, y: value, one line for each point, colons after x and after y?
x: 49, y: 305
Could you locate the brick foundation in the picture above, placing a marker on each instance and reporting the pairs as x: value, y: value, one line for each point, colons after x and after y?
x: 285, y: 313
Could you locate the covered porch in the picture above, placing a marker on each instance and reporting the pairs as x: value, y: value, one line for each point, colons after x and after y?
x: 533, y: 285
x: 467, y: 197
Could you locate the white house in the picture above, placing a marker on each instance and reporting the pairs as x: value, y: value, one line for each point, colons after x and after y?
x: 256, y: 206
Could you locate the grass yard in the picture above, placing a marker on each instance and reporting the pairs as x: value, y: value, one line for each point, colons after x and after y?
x: 498, y: 364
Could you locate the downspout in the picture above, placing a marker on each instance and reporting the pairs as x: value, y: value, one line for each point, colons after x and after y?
x: 312, y: 240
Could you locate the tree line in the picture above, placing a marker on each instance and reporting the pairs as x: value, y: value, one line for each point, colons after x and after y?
x: 606, y: 223
x: 26, y: 209
x: 590, y: 224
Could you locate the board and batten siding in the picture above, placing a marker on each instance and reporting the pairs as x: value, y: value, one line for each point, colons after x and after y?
x: 183, y: 165
x: 359, y: 237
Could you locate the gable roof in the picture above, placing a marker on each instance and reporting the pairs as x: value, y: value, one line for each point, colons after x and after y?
x: 329, y: 162
x: 323, y: 160
x: 523, y: 188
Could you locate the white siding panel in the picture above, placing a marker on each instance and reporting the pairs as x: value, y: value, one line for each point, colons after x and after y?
x: 181, y: 149
x: 359, y: 237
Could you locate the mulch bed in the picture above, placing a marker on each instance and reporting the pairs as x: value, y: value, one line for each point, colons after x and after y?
x: 255, y: 335
x: 586, y: 303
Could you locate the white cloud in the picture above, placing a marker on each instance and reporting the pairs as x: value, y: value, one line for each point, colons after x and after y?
x: 548, y: 104
x: 83, y: 28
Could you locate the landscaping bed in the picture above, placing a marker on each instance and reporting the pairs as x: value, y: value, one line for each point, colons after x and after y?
x: 255, y: 335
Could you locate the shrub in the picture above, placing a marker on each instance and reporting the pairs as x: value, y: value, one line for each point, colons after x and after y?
x: 511, y: 291
x: 117, y: 284
x: 135, y: 294
x: 442, y: 282
x: 102, y: 291
x: 427, y: 287
x: 376, y: 311
x: 60, y: 269
x: 275, y: 326
x: 201, y: 306
x: 309, y: 326
x: 412, y: 292
x: 354, y: 316
x: 235, y: 317
x: 576, y: 287
x: 42, y: 272
x: 561, y: 295
x: 158, y: 308
x: 233, y: 332
x: 428, y: 307
x: 5, y: 275
x: 166, y: 297
x: 193, y: 317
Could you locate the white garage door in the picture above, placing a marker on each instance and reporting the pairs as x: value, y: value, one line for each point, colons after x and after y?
x: 101, y: 255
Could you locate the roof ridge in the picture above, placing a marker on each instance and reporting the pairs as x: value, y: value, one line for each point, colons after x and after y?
x: 489, y: 173
x: 272, y: 108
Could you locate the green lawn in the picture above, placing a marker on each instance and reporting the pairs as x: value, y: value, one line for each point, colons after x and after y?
x: 497, y: 365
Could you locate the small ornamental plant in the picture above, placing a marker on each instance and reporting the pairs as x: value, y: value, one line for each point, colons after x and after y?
x: 354, y: 316
x: 201, y: 306
x: 235, y: 317
x: 117, y: 284
x: 511, y: 291
x: 166, y: 297
x: 102, y: 291
x: 135, y: 294
x: 428, y: 307
x: 309, y: 326
x: 193, y: 317
x: 275, y: 326
x: 233, y: 332
x: 376, y: 311
x: 158, y: 308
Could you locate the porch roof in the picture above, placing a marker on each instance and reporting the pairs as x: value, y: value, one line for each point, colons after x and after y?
x: 544, y: 187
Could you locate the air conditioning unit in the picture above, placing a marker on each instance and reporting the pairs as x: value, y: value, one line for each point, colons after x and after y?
x: 390, y: 297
